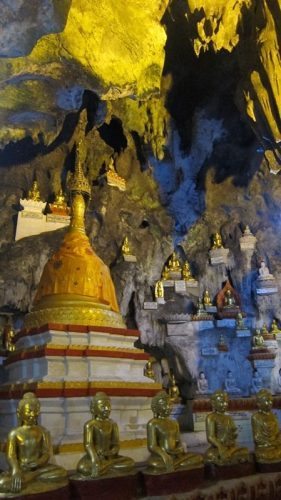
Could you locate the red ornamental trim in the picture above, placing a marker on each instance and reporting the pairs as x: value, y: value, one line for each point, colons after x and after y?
x: 86, y: 352
x: 68, y: 392
x: 239, y: 404
x: 77, y: 329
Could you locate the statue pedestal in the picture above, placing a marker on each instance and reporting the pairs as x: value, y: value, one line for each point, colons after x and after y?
x: 219, y: 256
x: 129, y: 258
x: 115, y: 487
x: 269, y: 467
x: 266, y: 286
x: 218, y: 472
x: 167, y: 483
x: 32, y: 492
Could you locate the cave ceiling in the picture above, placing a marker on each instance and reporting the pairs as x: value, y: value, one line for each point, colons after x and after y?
x: 185, y: 94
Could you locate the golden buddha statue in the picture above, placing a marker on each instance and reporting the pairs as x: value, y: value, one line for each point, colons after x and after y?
x: 174, y: 391
x: 60, y: 201
x: 101, y: 442
x: 186, y: 272
x: 174, y: 263
x: 216, y: 241
x: 264, y: 330
x: 148, y: 370
x: 76, y: 286
x: 165, y: 273
x: 206, y: 299
x: 163, y: 440
x: 265, y: 427
x: 258, y: 340
x: 159, y: 290
x: 126, y: 249
x: 28, y: 451
x: 222, y: 434
x: 240, y: 325
x: 34, y: 193
x: 274, y: 329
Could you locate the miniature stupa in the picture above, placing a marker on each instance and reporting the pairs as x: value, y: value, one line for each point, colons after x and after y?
x: 76, y: 286
x: 75, y: 344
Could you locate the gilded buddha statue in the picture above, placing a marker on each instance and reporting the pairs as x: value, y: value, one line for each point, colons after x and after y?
x: 222, y: 434
x: 174, y: 263
x: 148, y: 370
x: 163, y: 440
x: 165, y: 273
x: 101, y: 442
x: 34, y: 193
x: 76, y: 286
x: 28, y: 451
x: 274, y: 329
x: 229, y: 300
x: 258, y: 340
x: 216, y: 241
x: 206, y: 299
x: 186, y: 272
x: 60, y: 201
x: 159, y: 290
x: 126, y: 249
x: 266, y: 432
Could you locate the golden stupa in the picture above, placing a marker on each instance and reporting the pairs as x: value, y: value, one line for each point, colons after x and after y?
x: 76, y: 286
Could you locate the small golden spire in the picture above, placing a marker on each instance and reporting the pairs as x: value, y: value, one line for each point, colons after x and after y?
x: 78, y: 183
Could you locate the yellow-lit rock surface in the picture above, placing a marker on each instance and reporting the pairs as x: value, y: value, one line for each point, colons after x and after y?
x: 113, y: 48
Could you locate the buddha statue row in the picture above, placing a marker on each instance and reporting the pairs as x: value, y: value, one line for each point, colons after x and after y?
x: 29, y: 447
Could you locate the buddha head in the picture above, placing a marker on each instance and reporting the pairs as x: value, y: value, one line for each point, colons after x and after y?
x: 219, y: 400
x: 264, y: 400
x: 100, y: 406
x: 161, y: 405
x: 28, y: 409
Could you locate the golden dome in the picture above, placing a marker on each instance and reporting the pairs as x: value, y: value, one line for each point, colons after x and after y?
x: 75, y: 286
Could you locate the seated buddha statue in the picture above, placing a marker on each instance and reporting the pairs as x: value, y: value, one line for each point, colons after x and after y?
x: 126, y: 249
x: 216, y: 241
x: 274, y: 329
x: 222, y: 434
x: 186, y: 272
x: 60, y: 201
x: 229, y: 300
x: 264, y: 273
x: 206, y: 299
x: 148, y: 370
x: 230, y: 384
x: 174, y: 391
x: 174, y: 263
x: 163, y: 440
x: 258, y: 340
x: 34, y: 193
x: 29, y: 450
x: 202, y: 384
x: 101, y: 442
x: 256, y: 382
x: 266, y: 432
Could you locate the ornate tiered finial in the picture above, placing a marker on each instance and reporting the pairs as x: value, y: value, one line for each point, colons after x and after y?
x: 78, y: 182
